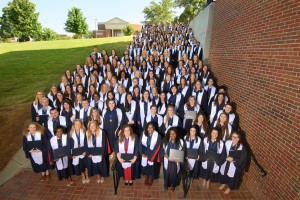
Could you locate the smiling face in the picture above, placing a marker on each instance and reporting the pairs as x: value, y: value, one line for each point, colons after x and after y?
x: 192, y: 132
x: 32, y: 128
x: 59, y: 132
x: 235, y: 138
x: 150, y: 129
x: 173, y: 135
x: 93, y: 127
x: 214, y: 134
x: 127, y: 132
x: 77, y: 125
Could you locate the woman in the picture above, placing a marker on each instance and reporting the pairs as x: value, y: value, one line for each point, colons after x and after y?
x: 223, y: 126
x: 69, y: 76
x: 38, y: 156
x: 120, y: 95
x: 176, y: 99
x: 149, y: 149
x: 171, y: 120
x: 193, y: 146
x: 94, y: 116
x: 232, y: 169
x: 96, y: 138
x: 112, y: 121
x: 213, y: 157
x: 171, y: 167
x: 52, y: 94
x: 58, y: 103
x: 201, y: 125
x: 129, y: 108
x: 62, y: 85
x: 167, y: 83
x: 184, y: 89
x: 36, y: 105
x: 79, y: 162
x: 68, y: 112
x: 191, y: 105
x: 217, y: 105
x: 60, y: 140
x: 126, y: 149
x: 201, y: 96
x: 162, y: 104
x: 143, y: 109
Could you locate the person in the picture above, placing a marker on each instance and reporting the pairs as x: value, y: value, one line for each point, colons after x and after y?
x: 79, y: 162
x: 232, y: 120
x: 155, y: 118
x: 69, y: 113
x: 192, y: 141
x: 96, y: 137
x: 171, y: 119
x: 36, y: 104
x: 213, y: 157
x: 54, y: 121
x: 52, y: 94
x: 176, y: 99
x: 201, y: 125
x: 217, y: 105
x: 95, y: 116
x: 191, y: 105
x: 201, y: 96
x: 112, y: 122
x: 162, y: 104
x: 231, y: 170
x: 127, y: 144
x: 171, y: 167
x: 38, y: 157
x: 43, y: 113
x: 144, y: 109
x: 149, y: 149
x: 60, y: 140
x: 223, y: 125
x: 85, y: 111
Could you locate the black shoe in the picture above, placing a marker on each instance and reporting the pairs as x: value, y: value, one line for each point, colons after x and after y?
x: 130, y: 183
x: 126, y: 183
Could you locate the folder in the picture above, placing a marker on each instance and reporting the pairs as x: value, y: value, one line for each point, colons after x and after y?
x: 176, y: 155
x: 192, y: 153
x: 61, y: 152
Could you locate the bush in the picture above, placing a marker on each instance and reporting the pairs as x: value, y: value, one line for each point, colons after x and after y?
x: 128, y: 30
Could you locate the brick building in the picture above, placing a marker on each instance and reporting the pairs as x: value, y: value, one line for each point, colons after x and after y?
x: 255, y: 51
x: 114, y: 27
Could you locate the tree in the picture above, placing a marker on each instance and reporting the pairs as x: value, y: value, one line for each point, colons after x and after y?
x: 76, y: 22
x: 191, y: 9
x: 128, y: 29
x: 19, y: 19
x: 161, y: 12
x: 48, y: 34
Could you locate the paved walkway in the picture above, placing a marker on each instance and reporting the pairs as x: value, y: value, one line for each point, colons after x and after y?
x: 27, y: 185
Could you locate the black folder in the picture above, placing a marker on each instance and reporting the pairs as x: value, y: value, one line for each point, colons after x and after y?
x: 192, y: 153
x: 61, y: 152
x: 35, y: 145
x: 78, y: 151
x: 235, y: 154
x: 95, y: 151
x: 127, y: 156
x: 43, y: 118
x: 211, y: 155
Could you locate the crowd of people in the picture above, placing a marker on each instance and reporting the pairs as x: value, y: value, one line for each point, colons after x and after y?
x: 136, y: 109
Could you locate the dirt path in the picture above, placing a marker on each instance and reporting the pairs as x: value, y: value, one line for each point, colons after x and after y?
x: 12, y: 119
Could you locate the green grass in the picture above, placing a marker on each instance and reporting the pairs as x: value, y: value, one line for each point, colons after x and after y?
x: 27, y: 67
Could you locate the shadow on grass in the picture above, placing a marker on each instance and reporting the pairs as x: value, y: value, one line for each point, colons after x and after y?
x: 24, y: 72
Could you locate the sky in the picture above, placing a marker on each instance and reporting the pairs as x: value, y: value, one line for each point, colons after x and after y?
x: 53, y: 13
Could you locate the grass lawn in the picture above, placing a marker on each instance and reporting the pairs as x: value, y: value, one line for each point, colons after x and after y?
x: 27, y: 67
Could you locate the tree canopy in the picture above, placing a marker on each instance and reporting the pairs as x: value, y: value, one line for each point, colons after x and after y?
x: 76, y: 22
x: 128, y: 30
x: 161, y: 12
x: 19, y: 19
x: 191, y: 9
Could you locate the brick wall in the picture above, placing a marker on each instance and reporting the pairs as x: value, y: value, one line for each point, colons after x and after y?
x: 255, y: 51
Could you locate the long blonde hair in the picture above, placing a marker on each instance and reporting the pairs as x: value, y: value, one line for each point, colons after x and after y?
x: 35, y: 98
x: 98, y: 118
x: 89, y: 133
x: 82, y: 128
x: 39, y: 128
